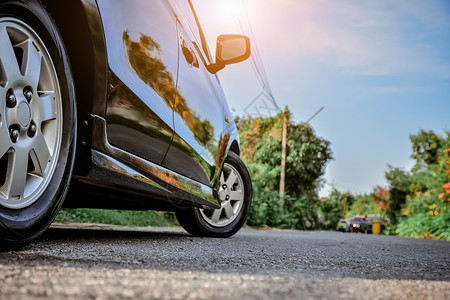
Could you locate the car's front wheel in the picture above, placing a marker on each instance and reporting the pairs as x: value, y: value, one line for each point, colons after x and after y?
x: 235, y: 192
x: 37, y: 121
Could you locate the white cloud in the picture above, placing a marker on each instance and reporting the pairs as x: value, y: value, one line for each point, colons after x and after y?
x: 372, y: 39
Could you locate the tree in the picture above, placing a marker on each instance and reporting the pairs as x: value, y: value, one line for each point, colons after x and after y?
x: 331, y: 209
x: 426, y: 212
x: 346, y: 202
x: 399, y: 183
x: 306, y: 159
x: 425, y: 148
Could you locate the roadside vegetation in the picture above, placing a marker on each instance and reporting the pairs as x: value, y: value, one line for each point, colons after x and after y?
x: 306, y: 159
x: 416, y: 202
x: 116, y: 217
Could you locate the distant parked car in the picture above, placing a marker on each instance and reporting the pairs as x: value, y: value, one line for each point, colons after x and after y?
x: 343, y: 225
x: 366, y: 224
x: 355, y: 224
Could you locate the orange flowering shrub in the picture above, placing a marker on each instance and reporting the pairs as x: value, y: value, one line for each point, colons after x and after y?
x: 426, y: 212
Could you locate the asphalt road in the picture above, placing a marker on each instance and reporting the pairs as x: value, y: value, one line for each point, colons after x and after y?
x: 107, y: 262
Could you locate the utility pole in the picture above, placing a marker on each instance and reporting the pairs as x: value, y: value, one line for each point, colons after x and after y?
x: 283, y: 152
x: 283, y: 158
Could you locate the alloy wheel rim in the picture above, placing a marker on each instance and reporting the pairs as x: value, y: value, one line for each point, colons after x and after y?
x: 30, y: 115
x: 231, y: 194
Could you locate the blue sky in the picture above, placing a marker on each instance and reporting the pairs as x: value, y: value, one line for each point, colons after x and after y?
x: 380, y: 68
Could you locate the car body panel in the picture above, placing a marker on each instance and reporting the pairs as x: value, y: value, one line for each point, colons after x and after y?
x: 139, y: 74
x: 82, y: 32
x: 142, y: 45
x: 198, y: 106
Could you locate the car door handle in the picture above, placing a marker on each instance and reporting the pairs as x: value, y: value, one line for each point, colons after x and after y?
x: 189, y: 54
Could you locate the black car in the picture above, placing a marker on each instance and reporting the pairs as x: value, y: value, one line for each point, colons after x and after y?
x: 355, y: 223
x: 116, y: 104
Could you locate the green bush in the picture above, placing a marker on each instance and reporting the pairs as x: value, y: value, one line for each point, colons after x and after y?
x: 265, y: 209
x: 423, y: 225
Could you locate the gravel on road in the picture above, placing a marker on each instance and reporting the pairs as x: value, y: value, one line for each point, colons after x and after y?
x: 86, y: 261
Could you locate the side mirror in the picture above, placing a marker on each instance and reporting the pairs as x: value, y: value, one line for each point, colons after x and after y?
x: 230, y: 49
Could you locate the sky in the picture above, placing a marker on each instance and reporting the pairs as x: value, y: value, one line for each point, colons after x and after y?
x: 381, y: 69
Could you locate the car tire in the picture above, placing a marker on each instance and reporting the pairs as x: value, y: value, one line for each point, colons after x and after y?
x: 235, y: 192
x: 37, y: 122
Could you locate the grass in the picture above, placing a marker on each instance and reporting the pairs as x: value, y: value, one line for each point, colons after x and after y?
x: 116, y: 217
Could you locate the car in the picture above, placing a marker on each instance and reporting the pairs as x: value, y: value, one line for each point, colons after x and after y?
x: 116, y: 104
x: 355, y: 223
x: 366, y: 224
x: 343, y: 225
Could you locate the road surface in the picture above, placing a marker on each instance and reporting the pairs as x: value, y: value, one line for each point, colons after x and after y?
x: 74, y: 261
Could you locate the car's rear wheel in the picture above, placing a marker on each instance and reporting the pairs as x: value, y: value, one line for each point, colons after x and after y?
x: 235, y: 192
x: 37, y: 121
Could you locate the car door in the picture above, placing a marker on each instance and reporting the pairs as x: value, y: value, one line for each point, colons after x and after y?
x: 142, y: 47
x: 198, y: 104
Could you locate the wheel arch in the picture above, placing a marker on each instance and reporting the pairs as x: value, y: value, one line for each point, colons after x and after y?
x: 235, y: 148
x: 79, y: 24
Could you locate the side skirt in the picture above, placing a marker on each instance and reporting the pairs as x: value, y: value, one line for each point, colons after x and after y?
x: 115, y: 166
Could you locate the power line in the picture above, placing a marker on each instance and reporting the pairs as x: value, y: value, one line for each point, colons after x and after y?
x: 258, y: 56
x: 315, y: 114
x: 255, y: 58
